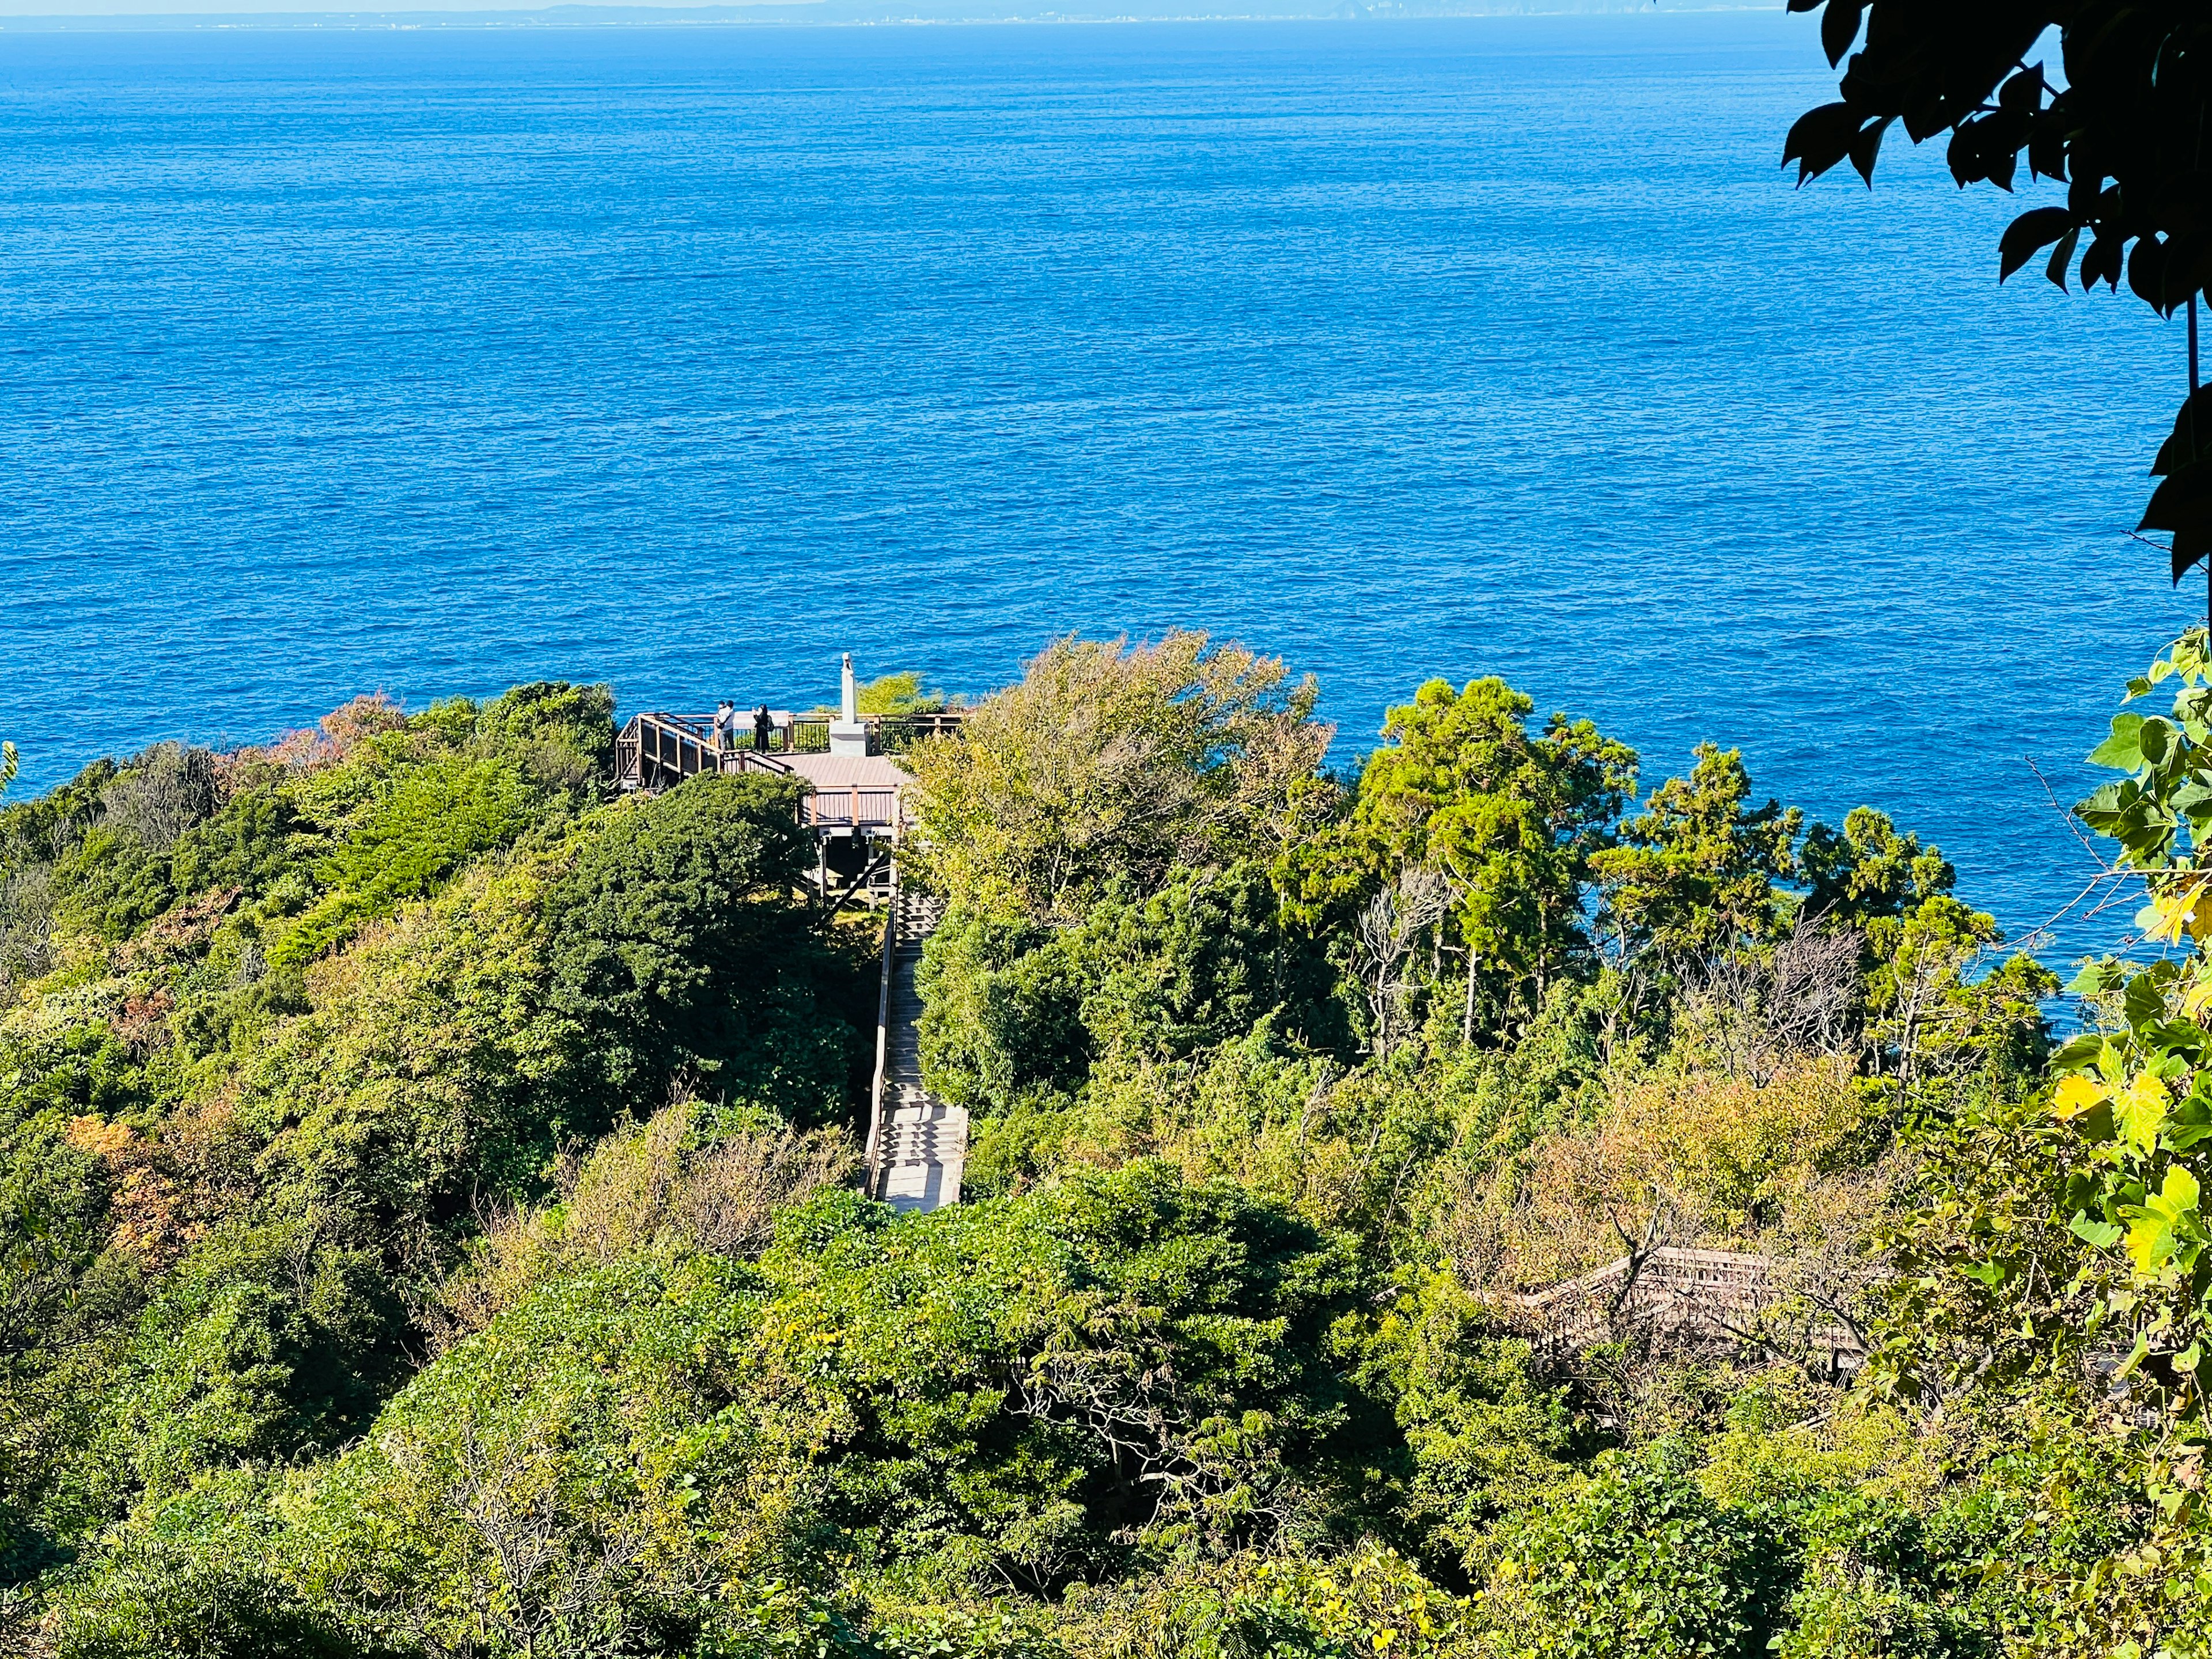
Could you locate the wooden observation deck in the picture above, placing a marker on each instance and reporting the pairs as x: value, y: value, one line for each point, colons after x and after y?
x: 855, y: 792
x: 656, y: 751
x: 846, y: 795
x: 855, y: 803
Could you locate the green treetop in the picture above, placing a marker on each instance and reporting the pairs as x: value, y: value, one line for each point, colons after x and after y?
x: 1511, y: 818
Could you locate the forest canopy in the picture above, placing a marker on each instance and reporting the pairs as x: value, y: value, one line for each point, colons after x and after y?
x: 433, y: 1224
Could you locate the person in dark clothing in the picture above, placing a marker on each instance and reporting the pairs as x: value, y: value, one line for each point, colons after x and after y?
x: 761, y: 727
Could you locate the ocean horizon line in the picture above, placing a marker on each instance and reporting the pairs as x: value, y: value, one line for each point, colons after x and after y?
x: 834, y: 14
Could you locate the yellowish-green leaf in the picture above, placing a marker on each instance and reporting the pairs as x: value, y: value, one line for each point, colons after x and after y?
x: 2164, y: 1224
x: 2140, y: 1111
x: 2077, y: 1094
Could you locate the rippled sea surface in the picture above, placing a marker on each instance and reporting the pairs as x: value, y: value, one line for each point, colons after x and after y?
x: 687, y: 359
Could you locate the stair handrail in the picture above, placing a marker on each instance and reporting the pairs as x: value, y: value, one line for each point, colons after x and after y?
x: 696, y: 728
x: 759, y: 760
x: 882, y: 1042
x: 700, y: 733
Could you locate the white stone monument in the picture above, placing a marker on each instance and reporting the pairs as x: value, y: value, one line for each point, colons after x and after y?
x: 848, y: 736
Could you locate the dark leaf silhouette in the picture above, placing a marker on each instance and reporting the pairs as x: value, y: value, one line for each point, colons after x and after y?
x: 2062, y: 257
x: 2102, y: 263
x: 1866, y: 146
x: 2147, y: 273
x: 2036, y: 229
x: 2191, y: 436
x: 1839, y: 27
x: 1820, y: 138
x: 2181, y: 499
x: 2189, y: 547
x: 2125, y: 132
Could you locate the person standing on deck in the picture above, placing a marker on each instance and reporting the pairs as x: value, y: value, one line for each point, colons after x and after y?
x: 726, y: 725
x: 761, y: 727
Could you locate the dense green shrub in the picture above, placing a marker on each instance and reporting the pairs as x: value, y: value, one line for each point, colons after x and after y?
x: 1014, y: 1013
x: 248, y: 844
x: 1486, y: 1434
x: 998, y: 1381
x: 111, y: 884
x: 199, y: 1575
x: 1199, y: 962
x: 414, y: 831
x: 45, y: 827
x: 562, y: 736
x: 1634, y: 1561
x: 1002, y: 1013
x: 267, y: 1342
x: 671, y: 938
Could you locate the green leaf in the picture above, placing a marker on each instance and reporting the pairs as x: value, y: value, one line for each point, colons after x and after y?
x: 2144, y: 1000
x: 2180, y: 1190
x: 2101, y: 809
x: 2140, y: 1112
x: 2080, y: 1050
x: 2095, y: 978
x: 2193, y: 801
x: 2099, y: 1234
x: 2120, y: 751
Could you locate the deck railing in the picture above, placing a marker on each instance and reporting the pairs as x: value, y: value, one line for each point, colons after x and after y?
x: 894, y: 734
x: 888, y: 734
x: 657, y: 749
x: 1678, y: 1293
x: 851, y: 808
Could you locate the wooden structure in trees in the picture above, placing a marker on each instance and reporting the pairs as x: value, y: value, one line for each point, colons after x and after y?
x: 655, y: 750
x: 1682, y: 1296
x: 855, y: 802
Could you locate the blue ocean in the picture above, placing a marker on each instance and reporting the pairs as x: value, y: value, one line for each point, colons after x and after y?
x: 689, y: 358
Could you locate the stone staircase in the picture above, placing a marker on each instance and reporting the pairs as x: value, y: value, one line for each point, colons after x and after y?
x: 919, y: 1143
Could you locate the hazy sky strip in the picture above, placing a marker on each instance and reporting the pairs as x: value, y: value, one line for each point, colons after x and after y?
x: 1068, y: 9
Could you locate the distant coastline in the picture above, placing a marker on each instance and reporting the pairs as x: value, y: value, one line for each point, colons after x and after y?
x: 755, y: 14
